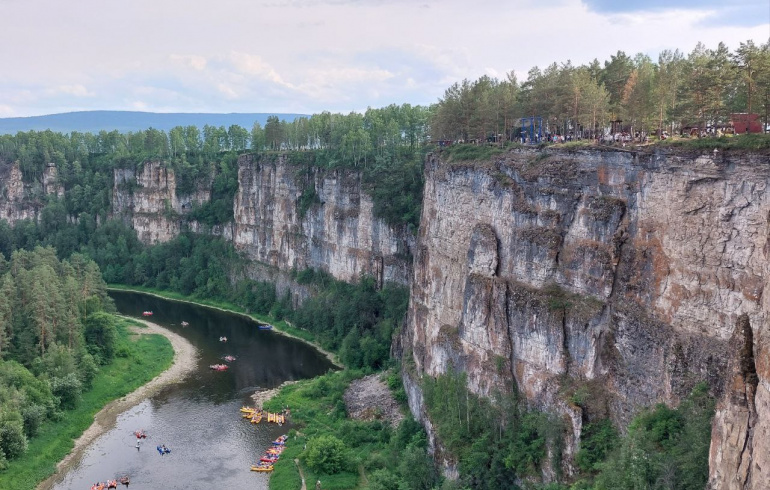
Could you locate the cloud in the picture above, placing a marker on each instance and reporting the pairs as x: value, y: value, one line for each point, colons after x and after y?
x: 190, y: 60
x: 714, y: 12
x: 227, y: 90
x: 75, y: 90
x: 312, y: 55
x: 254, y: 65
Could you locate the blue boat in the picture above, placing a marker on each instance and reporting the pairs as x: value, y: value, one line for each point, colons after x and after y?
x: 265, y: 327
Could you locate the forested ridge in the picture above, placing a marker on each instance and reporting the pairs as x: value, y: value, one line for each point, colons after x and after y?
x: 47, y: 362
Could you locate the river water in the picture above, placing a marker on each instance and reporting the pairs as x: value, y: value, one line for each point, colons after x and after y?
x: 211, y: 446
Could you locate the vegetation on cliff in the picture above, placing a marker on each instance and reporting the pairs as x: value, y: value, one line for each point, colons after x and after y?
x: 503, y: 444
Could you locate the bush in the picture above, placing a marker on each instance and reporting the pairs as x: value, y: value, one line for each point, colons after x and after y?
x: 33, y: 416
x: 596, y: 442
x: 325, y: 454
x: 68, y: 390
x: 384, y: 480
x: 13, y: 442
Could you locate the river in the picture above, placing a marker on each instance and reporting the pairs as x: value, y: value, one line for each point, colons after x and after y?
x: 198, y: 418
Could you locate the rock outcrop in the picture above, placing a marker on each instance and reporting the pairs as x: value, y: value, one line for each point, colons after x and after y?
x: 148, y: 202
x: 21, y: 200
x: 286, y: 218
x: 289, y: 218
x: 620, y: 272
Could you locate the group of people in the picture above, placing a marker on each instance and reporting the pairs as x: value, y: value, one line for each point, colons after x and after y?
x: 124, y: 480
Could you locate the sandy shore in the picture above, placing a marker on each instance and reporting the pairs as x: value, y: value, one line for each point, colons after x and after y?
x: 185, y: 357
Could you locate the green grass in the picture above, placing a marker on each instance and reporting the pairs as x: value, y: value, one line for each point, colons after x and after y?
x: 751, y: 142
x: 147, y: 356
x: 281, y: 325
x: 317, y: 409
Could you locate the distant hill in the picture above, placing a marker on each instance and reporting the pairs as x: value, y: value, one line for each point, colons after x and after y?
x: 124, y: 121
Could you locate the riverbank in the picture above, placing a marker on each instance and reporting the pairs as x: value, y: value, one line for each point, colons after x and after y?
x: 185, y: 359
x: 280, y: 327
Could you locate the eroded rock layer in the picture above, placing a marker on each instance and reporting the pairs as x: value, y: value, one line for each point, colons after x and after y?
x: 291, y: 218
x: 624, y: 273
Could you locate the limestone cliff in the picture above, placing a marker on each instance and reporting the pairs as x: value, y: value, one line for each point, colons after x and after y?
x: 333, y: 229
x: 620, y: 272
x: 20, y: 200
x: 289, y: 218
x: 147, y: 200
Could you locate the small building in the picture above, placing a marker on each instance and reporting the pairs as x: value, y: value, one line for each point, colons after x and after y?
x: 744, y: 122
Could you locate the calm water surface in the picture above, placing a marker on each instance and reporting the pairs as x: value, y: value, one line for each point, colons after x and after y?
x: 198, y: 419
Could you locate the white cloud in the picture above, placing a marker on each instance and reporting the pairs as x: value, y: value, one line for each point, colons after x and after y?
x: 254, y: 65
x: 190, y: 60
x: 309, y: 55
x: 227, y: 90
x: 75, y: 90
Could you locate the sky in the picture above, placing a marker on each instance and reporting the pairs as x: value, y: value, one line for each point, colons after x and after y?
x: 306, y: 56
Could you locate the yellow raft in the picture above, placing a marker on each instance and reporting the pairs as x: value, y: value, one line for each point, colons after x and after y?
x: 262, y: 468
x: 248, y: 409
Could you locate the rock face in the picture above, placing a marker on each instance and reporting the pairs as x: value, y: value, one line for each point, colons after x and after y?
x: 20, y: 200
x: 287, y: 218
x: 148, y: 202
x: 622, y: 273
x: 284, y: 219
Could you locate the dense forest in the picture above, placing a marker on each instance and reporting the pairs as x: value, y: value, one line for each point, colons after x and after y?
x: 54, y: 334
x: 673, y: 93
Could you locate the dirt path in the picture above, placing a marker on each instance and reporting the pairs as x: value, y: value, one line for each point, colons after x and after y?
x: 301, y: 474
x: 185, y: 357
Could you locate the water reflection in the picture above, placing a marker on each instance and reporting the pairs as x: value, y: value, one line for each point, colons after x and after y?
x: 198, y: 419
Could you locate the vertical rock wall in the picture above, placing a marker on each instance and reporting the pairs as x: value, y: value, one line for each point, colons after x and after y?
x: 21, y: 200
x: 622, y: 272
x: 335, y: 231
x: 147, y: 201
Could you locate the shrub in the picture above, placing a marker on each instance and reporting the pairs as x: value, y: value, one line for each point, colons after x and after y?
x: 33, y: 416
x: 67, y: 390
x: 325, y: 454
x: 596, y: 442
x: 13, y: 442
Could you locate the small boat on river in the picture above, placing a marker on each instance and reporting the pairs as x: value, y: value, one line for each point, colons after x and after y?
x: 219, y: 367
x: 262, y: 467
x: 266, y: 326
x: 146, y: 313
x: 162, y: 449
x: 229, y: 358
x: 124, y: 480
x: 223, y: 339
x: 184, y: 324
x: 140, y: 434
